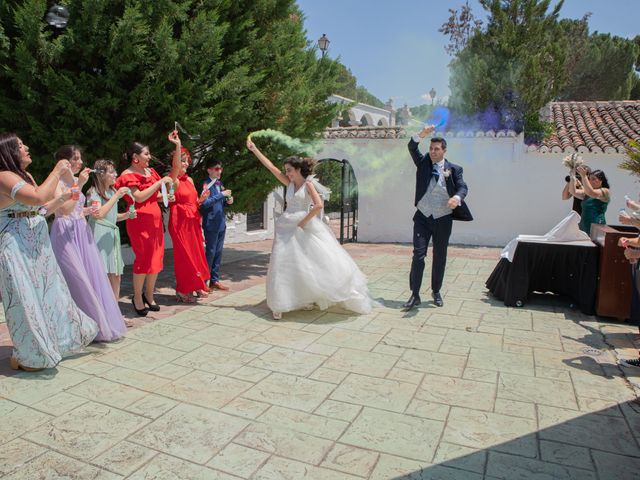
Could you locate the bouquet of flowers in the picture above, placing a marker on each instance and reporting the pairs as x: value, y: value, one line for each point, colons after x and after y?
x: 572, y: 161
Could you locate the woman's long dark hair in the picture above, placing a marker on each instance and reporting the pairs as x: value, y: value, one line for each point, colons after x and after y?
x: 599, y: 174
x: 304, y: 164
x: 66, y: 152
x: 10, y: 157
x: 134, y: 149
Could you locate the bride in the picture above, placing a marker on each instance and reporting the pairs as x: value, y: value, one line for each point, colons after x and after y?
x: 308, y: 266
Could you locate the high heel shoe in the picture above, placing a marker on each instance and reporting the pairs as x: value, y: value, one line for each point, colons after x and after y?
x: 152, y: 307
x: 202, y: 294
x: 182, y: 298
x: 141, y: 312
x: 277, y: 315
x: 15, y: 365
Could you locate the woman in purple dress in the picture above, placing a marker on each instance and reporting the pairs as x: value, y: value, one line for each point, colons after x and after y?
x: 77, y: 254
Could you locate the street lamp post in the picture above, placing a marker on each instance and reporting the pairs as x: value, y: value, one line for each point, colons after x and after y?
x: 323, y: 44
x: 432, y: 94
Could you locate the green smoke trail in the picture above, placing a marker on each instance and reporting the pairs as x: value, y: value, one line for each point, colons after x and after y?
x: 308, y: 149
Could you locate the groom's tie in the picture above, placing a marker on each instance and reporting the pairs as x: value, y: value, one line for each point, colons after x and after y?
x: 435, y: 173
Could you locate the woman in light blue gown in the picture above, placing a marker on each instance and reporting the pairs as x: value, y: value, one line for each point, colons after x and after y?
x: 44, y: 323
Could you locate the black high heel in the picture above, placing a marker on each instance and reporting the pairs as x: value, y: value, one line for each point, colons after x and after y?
x: 141, y: 313
x: 153, y: 308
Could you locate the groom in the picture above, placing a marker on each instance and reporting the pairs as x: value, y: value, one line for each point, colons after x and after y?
x: 440, y: 193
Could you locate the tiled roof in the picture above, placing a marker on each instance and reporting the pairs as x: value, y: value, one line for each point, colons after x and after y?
x: 597, y: 127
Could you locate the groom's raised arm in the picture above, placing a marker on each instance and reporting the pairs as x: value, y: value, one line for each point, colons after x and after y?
x: 418, y: 157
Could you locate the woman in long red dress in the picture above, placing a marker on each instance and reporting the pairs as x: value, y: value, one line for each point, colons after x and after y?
x: 185, y: 228
x: 146, y: 232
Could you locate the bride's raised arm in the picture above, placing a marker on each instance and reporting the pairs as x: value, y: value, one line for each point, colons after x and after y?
x: 267, y: 163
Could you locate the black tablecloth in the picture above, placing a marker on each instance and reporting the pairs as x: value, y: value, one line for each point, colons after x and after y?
x: 569, y: 270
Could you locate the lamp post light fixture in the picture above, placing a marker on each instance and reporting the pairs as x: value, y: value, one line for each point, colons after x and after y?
x: 323, y: 44
x: 432, y: 94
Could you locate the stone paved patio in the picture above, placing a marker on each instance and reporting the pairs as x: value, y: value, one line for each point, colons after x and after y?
x: 474, y: 390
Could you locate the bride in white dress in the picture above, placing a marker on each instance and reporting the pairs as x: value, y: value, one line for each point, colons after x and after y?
x: 308, y: 266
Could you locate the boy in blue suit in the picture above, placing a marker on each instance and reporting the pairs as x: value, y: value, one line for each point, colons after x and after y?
x: 213, y: 221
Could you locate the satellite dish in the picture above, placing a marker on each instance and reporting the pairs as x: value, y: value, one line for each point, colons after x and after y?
x: 57, y: 16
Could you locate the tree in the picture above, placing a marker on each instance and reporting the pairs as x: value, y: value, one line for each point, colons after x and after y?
x: 125, y: 70
x: 348, y: 87
x: 507, y: 71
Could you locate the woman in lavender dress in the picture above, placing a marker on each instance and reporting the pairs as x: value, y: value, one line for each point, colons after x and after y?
x: 44, y: 322
x: 77, y: 254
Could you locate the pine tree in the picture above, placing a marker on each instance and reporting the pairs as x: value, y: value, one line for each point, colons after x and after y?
x: 125, y: 70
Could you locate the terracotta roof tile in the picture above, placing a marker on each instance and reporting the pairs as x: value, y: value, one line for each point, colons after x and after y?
x: 592, y: 126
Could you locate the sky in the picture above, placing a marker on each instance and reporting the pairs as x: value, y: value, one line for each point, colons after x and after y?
x: 394, y: 48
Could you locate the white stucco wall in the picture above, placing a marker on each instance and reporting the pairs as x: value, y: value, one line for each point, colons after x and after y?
x: 511, y: 191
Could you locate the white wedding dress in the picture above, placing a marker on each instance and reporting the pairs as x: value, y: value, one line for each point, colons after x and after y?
x: 309, y: 266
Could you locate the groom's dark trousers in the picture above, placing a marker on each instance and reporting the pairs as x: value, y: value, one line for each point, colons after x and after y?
x: 425, y: 229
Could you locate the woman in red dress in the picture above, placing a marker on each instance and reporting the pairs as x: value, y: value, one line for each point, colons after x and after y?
x: 185, y: 228
x: 146, y: 232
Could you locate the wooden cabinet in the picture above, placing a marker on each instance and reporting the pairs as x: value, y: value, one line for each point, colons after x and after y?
x: 613, y: 297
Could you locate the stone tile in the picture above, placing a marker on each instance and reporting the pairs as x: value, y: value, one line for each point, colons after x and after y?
x: 461, y: 338
x: 59, y: 467
x: 222, y: 336
x: 205, y: 389
x: 477, y: 375
x: 15, y: 454
x: 482, y: 430
x: 616, y: 467
x: 408, y: 376
x: 124, y: 458
x: 362, y: 362
x: 321, y: 349
x: 514, y: 467
x: 533, y: 339
x: 139, y: 380
x: 594, y: 386
x: 389, y: 350
x: 214, y: 359
x: 319, y: 426
x: 464, y: 458
x: 159, y: 333
x: 515, y: 408
x: 278, y: 468
x: 457, y: 391
x: 171, y: 371
x: 152, y: 406
x: 164, y: 467
x: 286, y: 337
x: 537, y: 390
x: 501, y: 362
x: 434, y: 411
x: 394, y: 433
x: 109, y: 393
x: 600, y: 432
x: 92, y: 367
x: 250, y: 374
x: 452, y: 349
x: 348, y: 459
x: 59, y: 404
x: 190, y: 432
x: 238, y: 460
x: 412, y: 340
x: 284, y: 442
x: 243, y: 407
x: 339, y: 337
x: 375, y: 392
x: 87, y: 431
x: 18, y: 419
x: 432, y: 362
x: 401, y: 468
x: 328, y: 375
x: 339, y: 410
x: 569, y: 455
x: 141, y: 356
x: 29, y: 388
x: 290, y: 391
x: 256, y: 348
x: 284, y: 360
x: 460, y: 322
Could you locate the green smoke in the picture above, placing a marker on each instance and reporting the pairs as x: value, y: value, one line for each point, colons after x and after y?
x: 307, y: 149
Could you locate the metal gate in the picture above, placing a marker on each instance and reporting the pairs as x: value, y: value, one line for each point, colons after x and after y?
x: 342, y: 205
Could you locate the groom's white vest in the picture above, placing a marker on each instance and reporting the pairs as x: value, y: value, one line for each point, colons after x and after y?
x: 434, y: 201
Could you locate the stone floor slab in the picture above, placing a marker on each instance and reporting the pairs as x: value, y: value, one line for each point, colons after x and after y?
x: 457, y: 391
x: 375, y: 392
x: 290, y: 391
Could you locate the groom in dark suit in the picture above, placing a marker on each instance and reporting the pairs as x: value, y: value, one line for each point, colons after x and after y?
x: 440, y: 194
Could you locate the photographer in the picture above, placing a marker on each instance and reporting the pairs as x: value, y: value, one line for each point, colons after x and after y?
x: 566, y: 193
x: 594, y: 195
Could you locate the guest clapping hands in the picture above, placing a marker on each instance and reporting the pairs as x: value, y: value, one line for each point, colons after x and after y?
x: 594, y: 194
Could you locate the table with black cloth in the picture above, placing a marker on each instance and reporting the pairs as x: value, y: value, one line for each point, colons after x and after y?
x: 569, y: 269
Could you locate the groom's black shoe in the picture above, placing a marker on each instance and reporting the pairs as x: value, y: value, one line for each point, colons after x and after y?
x: 414, y: 301
x: 437, y: 299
